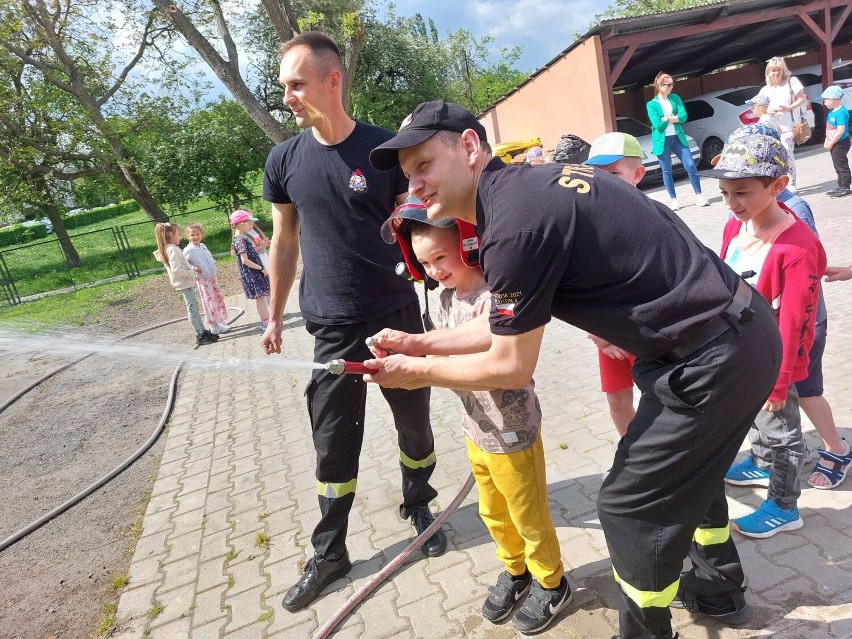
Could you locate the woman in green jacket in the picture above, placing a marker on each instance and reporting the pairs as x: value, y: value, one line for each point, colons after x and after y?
x: 666, y: 115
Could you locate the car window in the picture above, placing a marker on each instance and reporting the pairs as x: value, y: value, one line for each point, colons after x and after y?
x: 632, y: 127
x: 843, y: 73
x: 808, y: 79
x: 698, y: 110
x: 739, y: 96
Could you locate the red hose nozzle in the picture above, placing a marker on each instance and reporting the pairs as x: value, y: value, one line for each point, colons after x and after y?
x: 345, y: 367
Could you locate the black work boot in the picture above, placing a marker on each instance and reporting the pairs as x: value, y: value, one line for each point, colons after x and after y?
x: 421, y: 517
x: 732, y: 610
x: 318, y: 574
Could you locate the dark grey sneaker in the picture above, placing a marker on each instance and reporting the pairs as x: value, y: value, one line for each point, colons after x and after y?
x: 504, y: 595
x: 541, y: 606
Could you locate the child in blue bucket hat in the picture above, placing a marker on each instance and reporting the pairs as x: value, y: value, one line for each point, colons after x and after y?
x: 837, y: 139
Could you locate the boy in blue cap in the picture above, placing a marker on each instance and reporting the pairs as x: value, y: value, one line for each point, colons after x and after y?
x: 837, y: 139
x: 619, y: 154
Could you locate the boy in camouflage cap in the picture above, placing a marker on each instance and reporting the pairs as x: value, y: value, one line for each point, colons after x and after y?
x: 778, y: 254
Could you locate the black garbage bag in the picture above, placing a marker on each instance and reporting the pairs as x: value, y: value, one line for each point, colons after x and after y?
x: 571, y: 150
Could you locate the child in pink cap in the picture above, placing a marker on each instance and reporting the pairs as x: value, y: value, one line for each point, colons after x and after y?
x: 253, y: 275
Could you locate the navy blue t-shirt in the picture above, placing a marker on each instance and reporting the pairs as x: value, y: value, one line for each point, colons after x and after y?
x: 348, y: 275
x: 581, y: 245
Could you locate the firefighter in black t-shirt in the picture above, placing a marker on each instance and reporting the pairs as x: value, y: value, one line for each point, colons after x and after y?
x: 324, y: 191
x: 578, y: 244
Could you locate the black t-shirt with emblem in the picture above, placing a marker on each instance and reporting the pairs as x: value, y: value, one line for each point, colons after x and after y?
x: 581, y: 245
x: 342, y: 202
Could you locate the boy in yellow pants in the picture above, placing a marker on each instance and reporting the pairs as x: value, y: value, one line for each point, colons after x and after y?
x: 502, y: 427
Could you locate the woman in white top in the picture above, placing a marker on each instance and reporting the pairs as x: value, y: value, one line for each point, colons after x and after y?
x: 786, y: 106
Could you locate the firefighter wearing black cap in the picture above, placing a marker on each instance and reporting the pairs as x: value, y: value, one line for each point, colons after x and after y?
x: 580, y: 245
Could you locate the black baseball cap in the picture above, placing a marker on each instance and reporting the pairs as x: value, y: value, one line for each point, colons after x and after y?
x: 426, y: 120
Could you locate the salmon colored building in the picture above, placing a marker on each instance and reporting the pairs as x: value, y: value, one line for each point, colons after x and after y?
x: 609, y: 72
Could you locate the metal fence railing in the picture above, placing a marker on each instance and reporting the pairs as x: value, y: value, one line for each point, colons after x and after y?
x: 124, y: 251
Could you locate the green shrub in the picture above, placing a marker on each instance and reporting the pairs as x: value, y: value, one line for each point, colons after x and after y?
x: 17, y: 234
x: 100, y: 214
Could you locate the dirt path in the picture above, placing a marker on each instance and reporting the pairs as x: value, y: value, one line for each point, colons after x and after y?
x: 59, y: 439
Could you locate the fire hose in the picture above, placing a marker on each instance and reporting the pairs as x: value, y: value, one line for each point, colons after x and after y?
x: 328, y: 628
x: 41, y: 521
x: 335, y: 367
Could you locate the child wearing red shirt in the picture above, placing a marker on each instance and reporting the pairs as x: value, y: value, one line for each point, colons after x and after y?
x: 778, y: 254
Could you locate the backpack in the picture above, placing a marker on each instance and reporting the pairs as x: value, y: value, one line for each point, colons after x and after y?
x: 571, y: 150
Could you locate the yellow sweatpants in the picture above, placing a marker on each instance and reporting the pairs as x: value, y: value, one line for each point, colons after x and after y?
x: 513, y: 505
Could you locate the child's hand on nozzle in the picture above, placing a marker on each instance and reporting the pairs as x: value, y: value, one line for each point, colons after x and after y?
x: 389, y: 342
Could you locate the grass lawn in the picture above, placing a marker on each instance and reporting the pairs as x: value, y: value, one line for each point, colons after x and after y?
x: 131, y: 303
x: 73, y: 309
x: 40, y: 267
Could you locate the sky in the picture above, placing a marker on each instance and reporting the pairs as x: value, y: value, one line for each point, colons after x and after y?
x: 543, y: 28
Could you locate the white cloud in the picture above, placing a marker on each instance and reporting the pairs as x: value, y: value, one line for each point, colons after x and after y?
x: 542, y: 27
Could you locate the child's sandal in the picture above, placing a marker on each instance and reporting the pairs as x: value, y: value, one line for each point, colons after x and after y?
x: 832, y: 467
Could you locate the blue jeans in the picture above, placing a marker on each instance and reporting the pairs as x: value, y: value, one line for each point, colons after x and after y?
x: 674, y: 145
x: 192, y: 313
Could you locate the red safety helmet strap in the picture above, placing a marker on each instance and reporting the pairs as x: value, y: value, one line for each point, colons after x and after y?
x: 413, y: 209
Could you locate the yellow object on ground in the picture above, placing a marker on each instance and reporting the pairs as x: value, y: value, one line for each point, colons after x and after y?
x: 507, y: 151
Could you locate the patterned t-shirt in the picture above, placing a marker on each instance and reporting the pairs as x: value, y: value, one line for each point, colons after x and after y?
x: 497, y: 421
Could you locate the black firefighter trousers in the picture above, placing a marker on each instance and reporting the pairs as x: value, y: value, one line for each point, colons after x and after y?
x: 336, y: 407
x: 665, y: 499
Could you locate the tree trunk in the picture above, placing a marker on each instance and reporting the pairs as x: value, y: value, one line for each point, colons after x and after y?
x: 226, y: 70
x: 351, y: 54
x: 142, y: 196
x: 72, y: 258
x: 130, y: 177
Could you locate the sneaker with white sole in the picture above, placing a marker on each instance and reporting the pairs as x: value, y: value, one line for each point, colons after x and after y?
x: 221, y: 328
x: 768, y: 520
x: 541, y: 606
x: 674, y: 205
x: 746, y: 473
x: 504, y: 595
x: 700, y: 201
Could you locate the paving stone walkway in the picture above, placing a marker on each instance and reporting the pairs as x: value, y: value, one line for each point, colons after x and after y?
x: 227, y: 529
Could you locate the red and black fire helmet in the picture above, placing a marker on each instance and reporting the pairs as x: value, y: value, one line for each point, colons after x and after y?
x: 413, y: 209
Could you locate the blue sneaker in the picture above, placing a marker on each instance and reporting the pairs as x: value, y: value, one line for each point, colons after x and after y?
x: 747, y: 474
x: 767, y: 520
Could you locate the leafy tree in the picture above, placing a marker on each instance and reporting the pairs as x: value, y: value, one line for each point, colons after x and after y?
x: 98, y: 190
x: 400, y: 66
x: 206, y: 23
x: 71, y: 47
x: 202, y: 23
x: 627, y: 8
x: 215, y: 151
x: 477, y: 81
x: 47, y: 143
